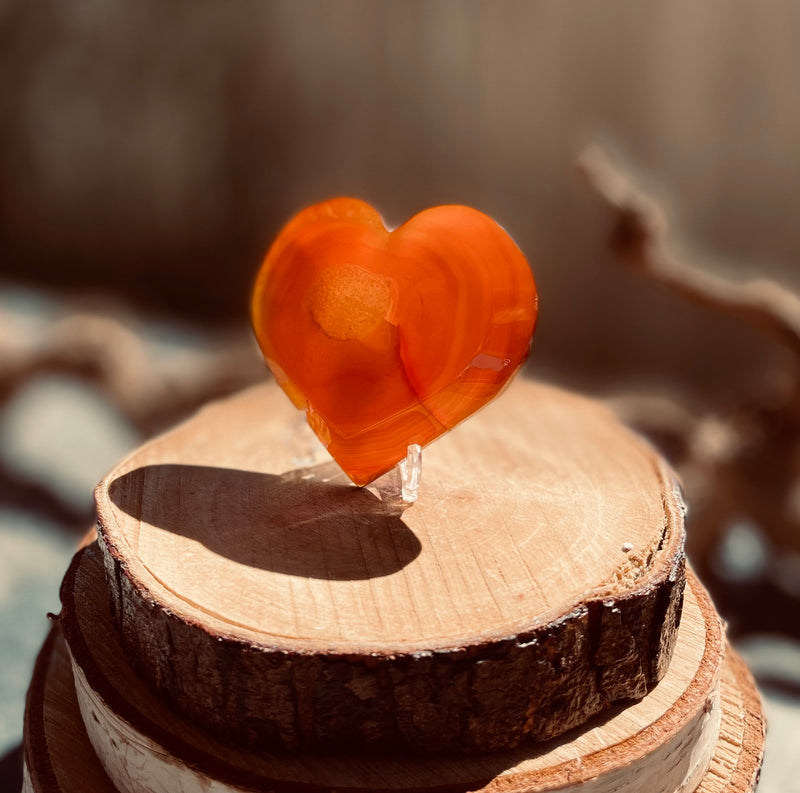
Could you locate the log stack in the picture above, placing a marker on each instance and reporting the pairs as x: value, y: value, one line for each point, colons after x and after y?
x: 247, y: 620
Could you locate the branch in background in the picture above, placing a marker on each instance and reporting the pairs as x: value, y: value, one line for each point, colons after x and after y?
x: 741, y: 467
x: 638, y: 238
x: 104, y: 353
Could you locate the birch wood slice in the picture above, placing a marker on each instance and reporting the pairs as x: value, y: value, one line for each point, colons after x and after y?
x: 537, y: 580
x: 700, y: 728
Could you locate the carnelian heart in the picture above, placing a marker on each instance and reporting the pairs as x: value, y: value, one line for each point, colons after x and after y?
x: 391, y: 338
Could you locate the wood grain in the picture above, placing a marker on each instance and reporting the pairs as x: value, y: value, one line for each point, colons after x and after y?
x: 537, y: 580
x: 618, y: 752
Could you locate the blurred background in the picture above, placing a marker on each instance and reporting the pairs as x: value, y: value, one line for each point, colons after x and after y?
x: 149, y: 152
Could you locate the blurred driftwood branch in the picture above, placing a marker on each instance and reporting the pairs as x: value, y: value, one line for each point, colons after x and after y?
x: 740, y: 466
x: 103, y: 352
x: 639, y: 239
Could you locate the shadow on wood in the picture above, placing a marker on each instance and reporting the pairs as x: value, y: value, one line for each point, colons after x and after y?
x: 309, y: 527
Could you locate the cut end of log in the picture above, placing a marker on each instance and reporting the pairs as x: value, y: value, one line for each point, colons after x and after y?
x: 537, y: 580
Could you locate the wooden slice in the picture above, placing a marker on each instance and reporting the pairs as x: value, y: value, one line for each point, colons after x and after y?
x: 59, y: 757
x: 694, y: 719
x: 537, y: 580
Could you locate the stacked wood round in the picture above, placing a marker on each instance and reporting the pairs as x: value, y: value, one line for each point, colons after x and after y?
x: 269, y: 625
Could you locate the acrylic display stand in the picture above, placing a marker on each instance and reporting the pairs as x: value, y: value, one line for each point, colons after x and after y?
x: 523, y: 627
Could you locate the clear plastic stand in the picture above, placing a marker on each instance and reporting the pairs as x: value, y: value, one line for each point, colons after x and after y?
x: 398, y: 489
x: 411, y: 473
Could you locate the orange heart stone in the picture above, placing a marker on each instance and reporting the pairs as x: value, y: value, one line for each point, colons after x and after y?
x: 387, y: 339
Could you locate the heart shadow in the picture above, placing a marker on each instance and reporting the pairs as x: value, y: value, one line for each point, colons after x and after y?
x: 304, y: 523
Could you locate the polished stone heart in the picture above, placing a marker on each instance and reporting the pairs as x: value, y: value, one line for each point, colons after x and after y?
x: 387, y: 339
